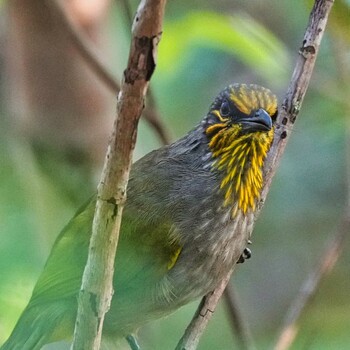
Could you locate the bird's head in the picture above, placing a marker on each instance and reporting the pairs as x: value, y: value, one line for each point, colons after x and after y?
x: 239, y: 127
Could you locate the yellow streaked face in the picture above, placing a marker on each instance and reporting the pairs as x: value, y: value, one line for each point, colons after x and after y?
x: 240, y: 131
x: 252, y: 107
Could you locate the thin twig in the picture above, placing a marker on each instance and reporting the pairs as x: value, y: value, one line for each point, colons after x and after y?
x: 309, y: 287
x: 97, y: 284
x: 287, y: 116
x: 127, y: 10
x: 201, y: 318
x: 93, y: 59
x: 83, y: 45
x: 239, y: 324
x: 335, y: 247
x: 153, y: 117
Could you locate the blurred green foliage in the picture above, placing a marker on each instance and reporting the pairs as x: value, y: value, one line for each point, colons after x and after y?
x: 202, y: 51
x: 240, y: 36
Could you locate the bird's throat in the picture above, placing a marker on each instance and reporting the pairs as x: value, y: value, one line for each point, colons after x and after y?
x: 240, y: 159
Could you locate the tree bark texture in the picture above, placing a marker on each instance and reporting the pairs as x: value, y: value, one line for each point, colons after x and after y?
x: 97, y: 288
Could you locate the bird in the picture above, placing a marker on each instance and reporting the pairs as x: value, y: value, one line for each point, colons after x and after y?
x: 184, y: 202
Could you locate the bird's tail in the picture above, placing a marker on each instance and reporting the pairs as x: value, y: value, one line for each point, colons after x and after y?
x: 33, y: 330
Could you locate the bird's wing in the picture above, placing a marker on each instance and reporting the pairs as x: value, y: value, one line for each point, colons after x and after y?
x: 150, y: 242
x: 148, y: 245
x: 147, y: 250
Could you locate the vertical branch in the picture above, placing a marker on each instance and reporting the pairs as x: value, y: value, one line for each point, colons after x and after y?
x: 97, y: 284
x: 290, y: 110
x: 151, y: 114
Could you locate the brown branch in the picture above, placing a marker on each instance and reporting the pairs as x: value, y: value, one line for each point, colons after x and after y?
x: 97, y: 288
x: 201, y: 318
x: 93, y: 59
x: 242, y: 331
x: 287, y: 116
x: 152, y: 112
x: 335, y: 247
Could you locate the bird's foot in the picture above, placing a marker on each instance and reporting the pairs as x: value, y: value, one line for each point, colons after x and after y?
x: 132, y: 341
x: 247, y: 253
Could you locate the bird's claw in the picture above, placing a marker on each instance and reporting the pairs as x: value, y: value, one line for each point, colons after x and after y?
x: 247, y: 253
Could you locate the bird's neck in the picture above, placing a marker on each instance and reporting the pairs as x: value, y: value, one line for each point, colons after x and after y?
x: 240, y: 159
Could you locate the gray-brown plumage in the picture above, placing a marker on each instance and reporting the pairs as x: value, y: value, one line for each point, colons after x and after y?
x: 185, y: 202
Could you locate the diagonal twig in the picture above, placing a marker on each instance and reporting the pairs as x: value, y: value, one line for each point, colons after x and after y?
x: 335, y: 246
x: 194, y: 331
x: 83, y: 45
x: 127, y: 10
x: 93, y: 59
x: 309, y: 288
x: 285, y: 121
x: 239, y: 324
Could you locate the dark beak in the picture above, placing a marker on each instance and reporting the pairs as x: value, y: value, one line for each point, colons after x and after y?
x: 261, y: 121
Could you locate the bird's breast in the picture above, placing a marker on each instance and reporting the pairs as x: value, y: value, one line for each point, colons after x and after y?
x: 214, y: 247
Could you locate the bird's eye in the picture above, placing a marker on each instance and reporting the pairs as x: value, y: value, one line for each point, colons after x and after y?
x: 225, y: 109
